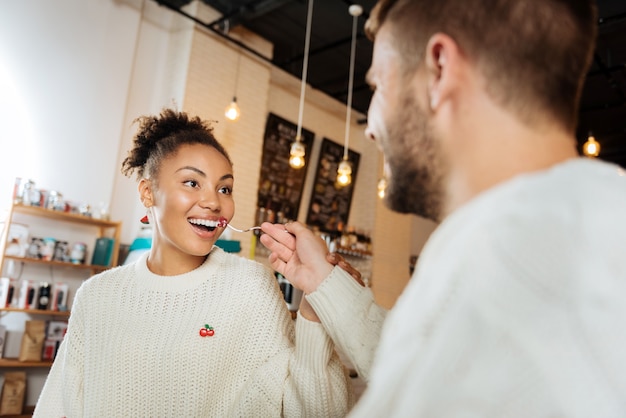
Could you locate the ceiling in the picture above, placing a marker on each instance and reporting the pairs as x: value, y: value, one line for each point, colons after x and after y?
x: 283, y: 23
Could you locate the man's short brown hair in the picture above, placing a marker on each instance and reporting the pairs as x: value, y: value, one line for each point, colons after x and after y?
x: 534, y: 54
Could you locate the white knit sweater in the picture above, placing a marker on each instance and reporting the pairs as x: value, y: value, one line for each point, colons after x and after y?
x: 516, y: 307
x: 134, y: 349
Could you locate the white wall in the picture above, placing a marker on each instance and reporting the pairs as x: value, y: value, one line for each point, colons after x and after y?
x: 65, y: 67
x: 76, y: 74
x: 73, y: 75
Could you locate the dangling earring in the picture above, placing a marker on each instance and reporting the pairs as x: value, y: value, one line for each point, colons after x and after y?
x: 145, y: 220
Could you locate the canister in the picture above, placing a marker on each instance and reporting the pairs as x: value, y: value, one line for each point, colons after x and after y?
x: 61, y: 251
x: 77, y: 255
x: 18, y: 190
x: 47, y: 249
x: 54, y: 200
x: 34, y: 249
x: 26, y: 191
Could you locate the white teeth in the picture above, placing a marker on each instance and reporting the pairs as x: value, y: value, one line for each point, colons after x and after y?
x: 204, y: 222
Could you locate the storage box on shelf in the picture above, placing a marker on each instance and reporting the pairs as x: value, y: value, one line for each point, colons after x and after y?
x: 60, y: 224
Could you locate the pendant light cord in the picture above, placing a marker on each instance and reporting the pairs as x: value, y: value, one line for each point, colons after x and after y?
x: 350, y: 85
x: 305, y: 67
x: 237, y: 74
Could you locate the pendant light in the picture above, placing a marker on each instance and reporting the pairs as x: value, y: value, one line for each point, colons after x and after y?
x: 382, y: 187
x: 232, y: 110
x: 591, y: 148
x: 297, y: 152
x: 344, y: 171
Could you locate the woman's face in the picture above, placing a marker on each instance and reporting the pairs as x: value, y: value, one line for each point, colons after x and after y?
x: 192, y: 192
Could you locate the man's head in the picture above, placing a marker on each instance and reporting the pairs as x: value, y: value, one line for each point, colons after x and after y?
x: 531, y: 54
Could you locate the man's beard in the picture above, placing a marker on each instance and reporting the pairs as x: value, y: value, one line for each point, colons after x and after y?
x: 415, y: 183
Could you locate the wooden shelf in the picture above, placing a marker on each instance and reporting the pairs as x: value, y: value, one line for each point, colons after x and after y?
x: 64, y: 314
x: 57, y: 263
x: 15, y: 363
x: 27, y: 412
x: 102, y: 225
x: 64, y: 216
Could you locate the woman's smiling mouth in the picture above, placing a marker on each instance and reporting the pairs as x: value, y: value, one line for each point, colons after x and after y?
x: 207, y: 224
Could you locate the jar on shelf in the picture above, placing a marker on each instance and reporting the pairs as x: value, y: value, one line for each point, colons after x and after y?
x: 27, y: 192
x: 61, y: 251
x: 46, y: 251
x: 77, y: 255
x: 55, y: 201
x: 34, y: 249
x: 18, y: 190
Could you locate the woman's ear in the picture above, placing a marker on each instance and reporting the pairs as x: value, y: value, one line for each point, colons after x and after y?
x: 145, y: 192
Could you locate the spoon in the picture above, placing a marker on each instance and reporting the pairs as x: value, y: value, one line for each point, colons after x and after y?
x: 243, y: 230
x: 224, y: 223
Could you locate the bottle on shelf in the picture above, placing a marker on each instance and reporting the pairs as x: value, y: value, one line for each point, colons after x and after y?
x: 43, y: 296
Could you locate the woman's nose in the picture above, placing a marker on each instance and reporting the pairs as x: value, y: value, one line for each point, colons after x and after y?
x: 210, y: 200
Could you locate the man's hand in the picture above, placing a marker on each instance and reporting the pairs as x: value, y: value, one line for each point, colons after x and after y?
x: 297, y: 254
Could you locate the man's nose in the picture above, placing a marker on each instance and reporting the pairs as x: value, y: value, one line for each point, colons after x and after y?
x: 369, y: 133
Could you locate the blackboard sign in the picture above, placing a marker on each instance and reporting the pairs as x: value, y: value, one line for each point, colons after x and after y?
x: 330, y: 204
x: 280, y: 186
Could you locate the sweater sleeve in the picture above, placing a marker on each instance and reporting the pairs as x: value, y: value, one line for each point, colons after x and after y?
x: 350, y: 316
x: 318, y: 384
x: 303, y: 375
x: 62, y: 394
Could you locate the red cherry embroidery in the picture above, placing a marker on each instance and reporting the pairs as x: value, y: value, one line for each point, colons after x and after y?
x: 207, y: 331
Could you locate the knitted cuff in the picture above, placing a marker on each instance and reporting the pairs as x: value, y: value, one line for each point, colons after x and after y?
x: 314, y: 347
x: 337, y: 296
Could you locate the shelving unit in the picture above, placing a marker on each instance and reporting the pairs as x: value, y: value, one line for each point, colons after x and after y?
x: 15, y: 363
x: 27, y: 413
x: 63, y: 314
x: 94, y: 269
x: 100, y: 224
x: 96, y: 228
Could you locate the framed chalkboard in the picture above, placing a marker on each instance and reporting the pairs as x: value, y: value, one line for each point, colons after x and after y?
x: 330, y: 204
x: 280, y: 186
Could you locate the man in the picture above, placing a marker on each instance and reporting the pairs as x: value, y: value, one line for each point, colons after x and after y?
x: 516, y: 305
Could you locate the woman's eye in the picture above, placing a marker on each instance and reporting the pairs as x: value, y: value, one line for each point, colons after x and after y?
x: 191, y: 183
x: 226, y: 190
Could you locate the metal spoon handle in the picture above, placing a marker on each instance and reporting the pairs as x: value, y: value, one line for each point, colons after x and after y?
x: 242, y: 230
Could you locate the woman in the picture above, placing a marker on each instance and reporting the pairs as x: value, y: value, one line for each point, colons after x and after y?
x: 189, y: 330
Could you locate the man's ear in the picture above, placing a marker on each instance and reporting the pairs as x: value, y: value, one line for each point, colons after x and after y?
x: 441, y: 57
x: 145, y: 192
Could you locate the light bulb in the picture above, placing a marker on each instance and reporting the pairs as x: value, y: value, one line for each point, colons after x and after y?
x: 344, y: 173
x: 232, y: 110
x: 382, y: 187
x: 296, y: 154
x: 591, y: 148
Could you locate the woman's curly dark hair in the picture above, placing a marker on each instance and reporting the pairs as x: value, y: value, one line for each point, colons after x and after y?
x: 159, y: 136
